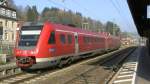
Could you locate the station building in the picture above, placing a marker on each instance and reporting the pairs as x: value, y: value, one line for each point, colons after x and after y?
x: 8, y: 25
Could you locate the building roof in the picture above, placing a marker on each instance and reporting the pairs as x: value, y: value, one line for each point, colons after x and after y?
x: 11, y: 14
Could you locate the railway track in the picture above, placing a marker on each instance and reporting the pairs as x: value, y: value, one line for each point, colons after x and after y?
x: 86, y: 77
x: 17, y: 78
x: 9, y: 70
x: 24, y: 76
x: 91, y: 76
x: 127, y: 73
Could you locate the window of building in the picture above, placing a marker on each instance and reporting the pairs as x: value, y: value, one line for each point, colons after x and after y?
x: 6, y: 36
x: 12, y: 24
x: 69, y: 39
x: 1, y: 23
x: 1, y: 37
x: 6, y: 22
x: 15, y: 16
x: 62, y: 39
x: 52, y: 38
x: 1, y: 30
x: 8, y: 14
x: 12, y: 36
x: 3, y: 11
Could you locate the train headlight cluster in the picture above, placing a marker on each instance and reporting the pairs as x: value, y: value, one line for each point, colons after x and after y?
x: 18, y: 52
x: 33, y: 52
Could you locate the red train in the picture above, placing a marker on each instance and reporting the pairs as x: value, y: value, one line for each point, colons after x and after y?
x: 49, y: 44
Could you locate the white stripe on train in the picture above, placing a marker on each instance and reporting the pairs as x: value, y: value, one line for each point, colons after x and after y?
x: 31, y: 32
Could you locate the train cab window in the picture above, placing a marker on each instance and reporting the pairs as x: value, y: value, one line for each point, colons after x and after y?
x: 69, y: 39
x: 52, y: 38
x: 62, y: 39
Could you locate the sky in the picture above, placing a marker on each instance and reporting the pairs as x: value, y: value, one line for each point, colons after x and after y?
x: 101, y: 10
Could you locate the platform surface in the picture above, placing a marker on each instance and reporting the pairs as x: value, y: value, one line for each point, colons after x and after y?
x: 143, y: 71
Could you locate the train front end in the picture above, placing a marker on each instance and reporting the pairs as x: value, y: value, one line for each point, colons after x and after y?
x: 27, y: 49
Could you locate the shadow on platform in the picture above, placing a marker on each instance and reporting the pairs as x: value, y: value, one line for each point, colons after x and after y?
x: 143, y: 72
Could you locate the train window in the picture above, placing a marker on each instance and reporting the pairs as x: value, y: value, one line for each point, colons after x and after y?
x: 95, y: 39
x: 62, y: 38
x: 69, y: 39
x: 91, y: 39
x: 52, y: 38
x: 86, y: 39
x: 98, y: 39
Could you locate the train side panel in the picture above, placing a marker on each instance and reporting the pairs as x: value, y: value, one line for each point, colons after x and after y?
x: 59, y: 43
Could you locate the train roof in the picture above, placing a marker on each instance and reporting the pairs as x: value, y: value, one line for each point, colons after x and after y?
x: 68, y: 28
x: 75, y: 29
x: 79, y: 30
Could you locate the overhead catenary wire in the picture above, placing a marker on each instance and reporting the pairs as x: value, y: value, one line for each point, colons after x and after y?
x: 85, y: 9
x: 123, y: 18
x: 119, y: 12
x: 64, y: 6
x: 61, y: 5
x: 122, y: 12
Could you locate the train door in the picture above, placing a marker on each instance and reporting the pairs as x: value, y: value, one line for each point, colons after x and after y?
x: 76, y: 43
x: 106, y: 43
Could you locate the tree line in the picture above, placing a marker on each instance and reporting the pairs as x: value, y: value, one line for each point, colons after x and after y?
x: 57, y: 15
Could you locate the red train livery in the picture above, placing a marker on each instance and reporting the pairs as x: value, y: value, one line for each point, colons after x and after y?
x: 48, y: 44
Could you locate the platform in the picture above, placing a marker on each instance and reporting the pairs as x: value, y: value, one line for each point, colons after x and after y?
x: 143, y: 71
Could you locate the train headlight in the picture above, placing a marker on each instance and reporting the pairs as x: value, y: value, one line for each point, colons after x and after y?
x: 18, y: 52
x: 33, y: 52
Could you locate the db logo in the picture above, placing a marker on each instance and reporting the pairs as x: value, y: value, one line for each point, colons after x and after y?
x: 52, y: 49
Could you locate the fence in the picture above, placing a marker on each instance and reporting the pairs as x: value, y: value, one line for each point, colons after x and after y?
x: 6, y: 47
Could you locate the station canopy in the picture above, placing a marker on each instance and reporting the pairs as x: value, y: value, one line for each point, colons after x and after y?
x: 140, y: 10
